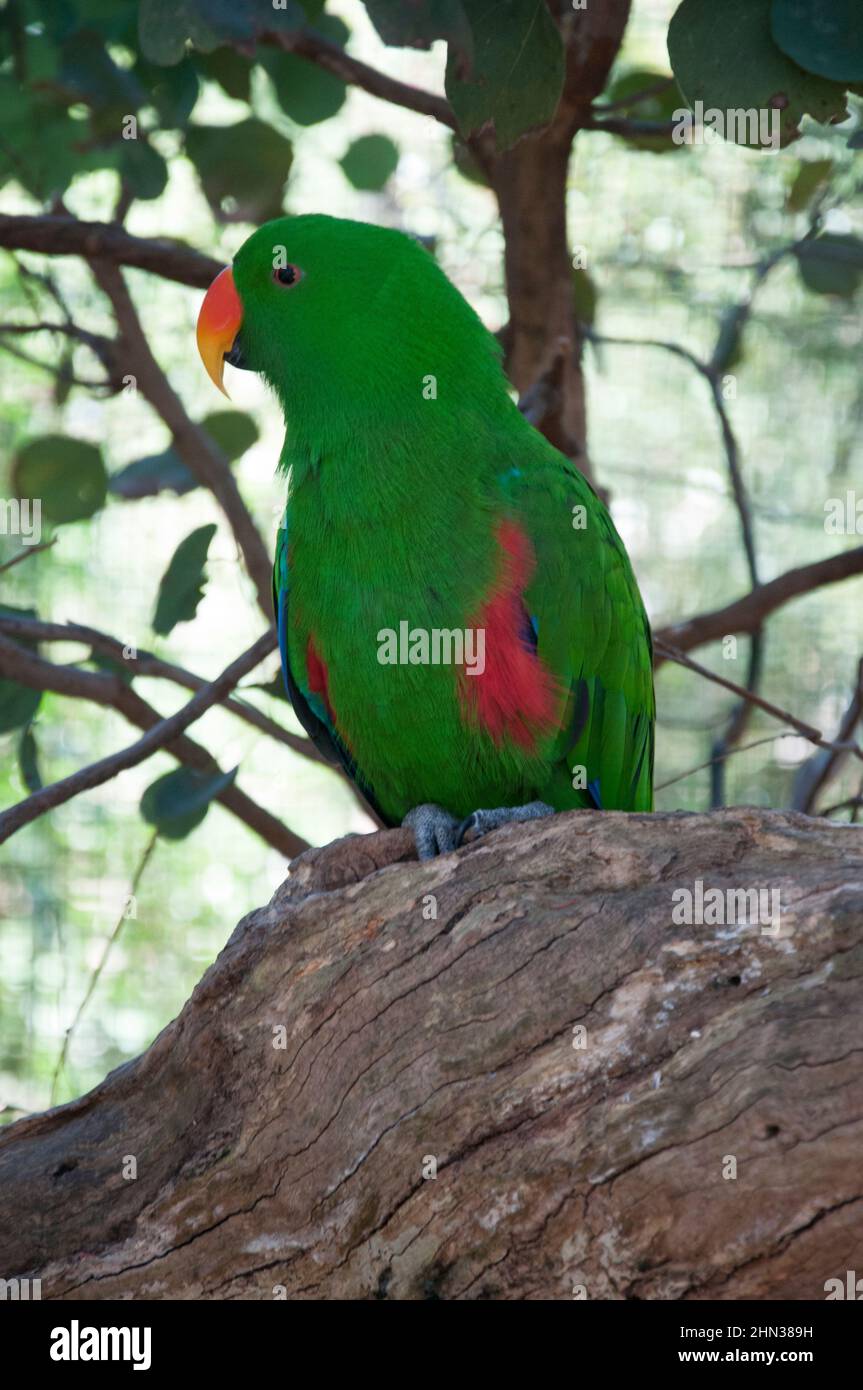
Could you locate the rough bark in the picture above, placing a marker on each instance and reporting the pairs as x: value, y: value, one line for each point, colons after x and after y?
x: 410, y: 1036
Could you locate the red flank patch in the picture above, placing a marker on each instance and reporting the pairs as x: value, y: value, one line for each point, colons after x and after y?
x: 515, y: 696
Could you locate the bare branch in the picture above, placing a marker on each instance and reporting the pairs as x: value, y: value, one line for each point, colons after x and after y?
x: 18, y: 664
x: 748, y: 613
x: 63, y: 235
x: 335, y: 60
x: 145, y: 664
x: 851, y: 803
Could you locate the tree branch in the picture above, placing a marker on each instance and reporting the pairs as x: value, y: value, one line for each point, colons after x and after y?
x: 63, y: 235
x: 748, y: 613
x: 16, y: 663
x: 145, y: 664
x: 335, y: 60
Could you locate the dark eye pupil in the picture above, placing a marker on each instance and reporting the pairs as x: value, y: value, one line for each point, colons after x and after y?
x: 286, y: 275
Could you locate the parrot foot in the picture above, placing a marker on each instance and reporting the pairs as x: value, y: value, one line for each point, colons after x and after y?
x: 482, y: 821
x: 434, y: 830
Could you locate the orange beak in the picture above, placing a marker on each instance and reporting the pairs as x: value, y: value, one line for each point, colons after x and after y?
x: 218, y: 324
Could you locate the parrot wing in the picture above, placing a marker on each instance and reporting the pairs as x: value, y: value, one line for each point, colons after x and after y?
x: 592, y: 633
x: 308, y: 707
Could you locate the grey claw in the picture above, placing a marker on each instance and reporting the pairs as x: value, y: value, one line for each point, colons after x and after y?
x: 480, y: 822
x: 434, y: 830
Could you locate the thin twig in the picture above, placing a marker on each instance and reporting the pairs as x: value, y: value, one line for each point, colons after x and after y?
x: 807, y: 730
x: 94, y: 978
x: 106, y: 386
x: 738, y: 748
x: 28, y: 550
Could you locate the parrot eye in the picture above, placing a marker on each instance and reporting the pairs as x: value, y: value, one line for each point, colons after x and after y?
x: 287, y: 275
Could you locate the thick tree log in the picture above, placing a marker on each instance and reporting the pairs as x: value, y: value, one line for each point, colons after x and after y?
x: 583, y: 1073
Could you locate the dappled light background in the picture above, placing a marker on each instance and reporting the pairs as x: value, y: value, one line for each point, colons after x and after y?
x: 669, y: 241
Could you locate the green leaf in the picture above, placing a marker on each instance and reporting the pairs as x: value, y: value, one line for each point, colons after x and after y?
x: 725, y: 57
x: 28, y: 761
x: 232, y: 430
x: 831, y: 264
x: 243, y: 168
x: 810, y: 176
x: 822, y: 36
x: 18, y: 703
x: 172, y: 91
x: 143, y: 168
x: 661, y: 106
x: 164, y: 26
x: 67, y: 475
x: 42, y: 144
x: 176, y: 803
x: 149, y: 476
x: 89, y: 74
x: 231, y: 70
x: 418, y: 24
x: 370, y: 161
x: 304, y: 91
x: 182, y: 586
x: 517, y: 73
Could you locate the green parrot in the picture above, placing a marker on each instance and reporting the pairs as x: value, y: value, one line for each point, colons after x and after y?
x: 459, y: 623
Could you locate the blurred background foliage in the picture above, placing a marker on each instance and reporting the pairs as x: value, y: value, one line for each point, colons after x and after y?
x: 665, y: 238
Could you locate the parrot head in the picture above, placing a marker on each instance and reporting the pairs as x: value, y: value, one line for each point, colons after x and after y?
x: 336, y: 314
